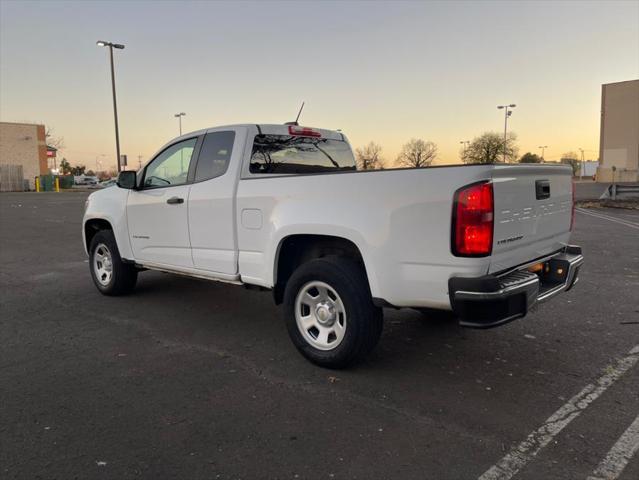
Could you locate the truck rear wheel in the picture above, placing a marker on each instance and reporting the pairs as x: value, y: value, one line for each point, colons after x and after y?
x: 110, y: 274
x: 329, y: 312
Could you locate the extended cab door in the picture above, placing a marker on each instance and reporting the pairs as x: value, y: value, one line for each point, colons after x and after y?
x: 211, y: 205
x: 157, y: 213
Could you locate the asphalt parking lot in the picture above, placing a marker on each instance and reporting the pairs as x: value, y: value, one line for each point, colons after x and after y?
x: 189, y: 379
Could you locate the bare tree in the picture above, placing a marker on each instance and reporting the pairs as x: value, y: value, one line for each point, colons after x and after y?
x: 369, y: 157
x: 53, y: 141
x: 489, y: 148
x: 417, y: 153
x: 572, y: 159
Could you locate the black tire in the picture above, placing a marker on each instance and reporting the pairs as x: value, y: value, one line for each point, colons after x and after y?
x: 123, y: 275
x: 363, y: 320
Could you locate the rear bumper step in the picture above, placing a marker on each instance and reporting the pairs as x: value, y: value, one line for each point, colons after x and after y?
x: 493, y: 300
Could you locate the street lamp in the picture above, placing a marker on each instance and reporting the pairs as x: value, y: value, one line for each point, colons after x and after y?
x: 179, y: 116
x: 98, y: 163
x: 543, y: 149
x: 507, y: 113
x: 581, y: 170
x: 465, y: 143
x: 102, y: 43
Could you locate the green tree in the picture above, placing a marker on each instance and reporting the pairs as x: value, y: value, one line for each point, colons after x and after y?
x: 65, y: 167
x: 417, y: 153
x: 489, y: 148
x: 78, y: 170
x: 530, y: 158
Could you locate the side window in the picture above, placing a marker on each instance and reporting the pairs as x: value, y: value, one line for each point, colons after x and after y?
x: 215, y: 155
x: 171, y: 167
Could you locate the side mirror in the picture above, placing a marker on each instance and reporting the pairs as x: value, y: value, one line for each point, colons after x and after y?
x: 127, y: 179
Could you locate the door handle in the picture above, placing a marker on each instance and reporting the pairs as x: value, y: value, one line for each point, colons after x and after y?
x: 175, y: 200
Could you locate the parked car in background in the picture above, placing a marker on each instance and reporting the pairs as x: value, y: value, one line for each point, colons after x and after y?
x: 108, y: 183
x: 85, y: 180
x: 283, y: 207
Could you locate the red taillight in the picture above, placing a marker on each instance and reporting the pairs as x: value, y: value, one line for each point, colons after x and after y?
x: 473, y: 221
x: 572, y: 213
x: 303, y: 131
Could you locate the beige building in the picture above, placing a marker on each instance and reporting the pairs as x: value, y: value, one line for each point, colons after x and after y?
x: 22, y: 144
x: 619, y: 134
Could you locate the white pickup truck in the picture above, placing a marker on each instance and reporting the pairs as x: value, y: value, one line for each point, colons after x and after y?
x: 283, y: 207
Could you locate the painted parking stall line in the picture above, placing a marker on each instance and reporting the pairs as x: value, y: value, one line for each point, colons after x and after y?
x: 602, y: 216
x: 616, y: 216
x: 619, y: 455
x: 523, y: 453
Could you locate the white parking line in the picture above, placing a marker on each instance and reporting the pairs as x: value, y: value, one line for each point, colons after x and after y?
x: 627, y: 223
x: 607, y: 217
x: 625, y: 216
x: 619, y: 455
x: 523, y: 453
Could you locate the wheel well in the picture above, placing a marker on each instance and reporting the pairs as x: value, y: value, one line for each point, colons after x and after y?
x: 93, y: 226
x: 298, y: 249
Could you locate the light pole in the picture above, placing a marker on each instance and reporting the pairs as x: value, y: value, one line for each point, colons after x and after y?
x: 581, y: 170
x: 465, y: 143
x: 111, y: 46
x: 543, y: 150
x: 98, y: 163
x: 507, y: 113
x: 179, y: 116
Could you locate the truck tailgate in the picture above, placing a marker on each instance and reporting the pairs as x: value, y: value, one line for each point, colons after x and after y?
x: 533, y: 210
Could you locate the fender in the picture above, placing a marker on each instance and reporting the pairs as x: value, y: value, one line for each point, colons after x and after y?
x: 110, y: 205
x: 272, y: 255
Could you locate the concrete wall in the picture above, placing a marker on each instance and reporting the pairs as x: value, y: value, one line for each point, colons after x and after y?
x: 24, y: 144
x: 619, y: 135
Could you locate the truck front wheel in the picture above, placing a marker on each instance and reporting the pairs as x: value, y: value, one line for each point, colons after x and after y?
x: 329, y: 312
x: 110, y: 274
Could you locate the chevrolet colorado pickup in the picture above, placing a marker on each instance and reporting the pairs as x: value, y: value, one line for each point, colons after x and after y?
x: 283, y: 207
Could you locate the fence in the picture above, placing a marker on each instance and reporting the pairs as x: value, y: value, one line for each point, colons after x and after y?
x: 12, y: 179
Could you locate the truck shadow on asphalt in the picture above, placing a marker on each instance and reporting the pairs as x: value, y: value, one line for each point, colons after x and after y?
x: 231, y: 318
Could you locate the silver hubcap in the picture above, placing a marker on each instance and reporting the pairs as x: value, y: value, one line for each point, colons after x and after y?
x: 320, y: 315
x: 103, y: 264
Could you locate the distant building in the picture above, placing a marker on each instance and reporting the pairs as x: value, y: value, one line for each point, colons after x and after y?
x: 22, y: 145
x: 619, y: 133
x: 588, y: 168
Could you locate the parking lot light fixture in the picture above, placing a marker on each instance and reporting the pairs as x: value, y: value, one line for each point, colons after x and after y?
x: 543, y: 150
x: 98, y: 162
x: 507, y: 113
x: 119, y: 46
x: 179, y: 116
x: 465, y: 143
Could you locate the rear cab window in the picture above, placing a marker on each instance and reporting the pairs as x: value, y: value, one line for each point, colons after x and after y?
x: 293, y: 154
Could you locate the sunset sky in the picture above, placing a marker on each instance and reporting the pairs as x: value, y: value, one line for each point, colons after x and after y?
x: 378, y: 71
